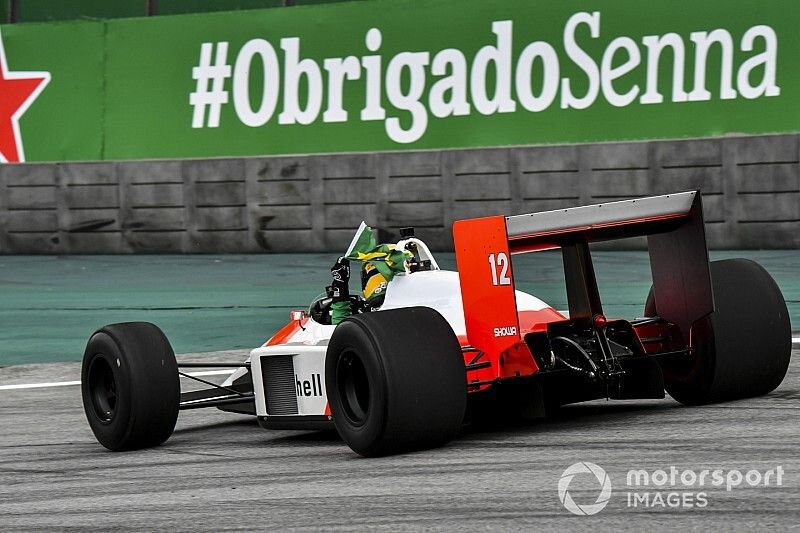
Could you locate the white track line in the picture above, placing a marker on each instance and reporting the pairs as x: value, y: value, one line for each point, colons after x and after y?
x: 70, y: 383
x: 39, y: 385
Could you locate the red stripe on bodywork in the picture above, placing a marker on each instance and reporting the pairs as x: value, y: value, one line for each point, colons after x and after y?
x: 286, y: 332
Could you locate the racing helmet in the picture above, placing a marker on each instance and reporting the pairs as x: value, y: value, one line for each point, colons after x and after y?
x: 373, y: 285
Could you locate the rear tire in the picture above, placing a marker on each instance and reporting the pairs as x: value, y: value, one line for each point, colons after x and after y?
x: 395, y: 381
x: 130, y: 386
x: 743, y: 349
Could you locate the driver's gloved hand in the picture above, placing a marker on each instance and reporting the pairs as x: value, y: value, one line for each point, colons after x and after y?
x: 340, y: 274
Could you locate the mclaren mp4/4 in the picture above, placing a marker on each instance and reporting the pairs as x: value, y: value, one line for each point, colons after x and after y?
x: 446, y: 348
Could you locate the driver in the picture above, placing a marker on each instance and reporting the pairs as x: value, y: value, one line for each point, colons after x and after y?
x: 379, y: 264
x: 373, y: 290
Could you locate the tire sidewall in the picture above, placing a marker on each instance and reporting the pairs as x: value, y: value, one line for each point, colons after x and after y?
x: 415, y: 368
x: 111, y: 434
x: 360, y: 344
x: 691, y: 384
x: 147, y: 385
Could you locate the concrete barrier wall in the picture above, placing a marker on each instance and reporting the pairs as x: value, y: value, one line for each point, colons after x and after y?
x: 750, y: 185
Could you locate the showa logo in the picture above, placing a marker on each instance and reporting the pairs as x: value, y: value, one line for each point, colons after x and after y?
x: 670, y: 487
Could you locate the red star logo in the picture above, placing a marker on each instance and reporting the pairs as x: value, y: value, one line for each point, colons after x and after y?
x: 18, y: 90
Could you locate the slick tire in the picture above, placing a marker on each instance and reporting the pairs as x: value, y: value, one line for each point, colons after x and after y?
x: 743, y: 349
x: 395, y: 381
x: 130, y: 387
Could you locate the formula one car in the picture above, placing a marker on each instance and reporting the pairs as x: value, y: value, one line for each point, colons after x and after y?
x: 445, y: 348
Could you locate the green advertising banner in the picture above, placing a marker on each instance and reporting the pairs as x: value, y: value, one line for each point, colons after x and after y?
x: 398, y: 74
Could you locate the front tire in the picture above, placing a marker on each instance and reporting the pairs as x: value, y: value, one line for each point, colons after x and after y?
x: 130, y: 386
x: 395, y: 381
x: 743, y: 349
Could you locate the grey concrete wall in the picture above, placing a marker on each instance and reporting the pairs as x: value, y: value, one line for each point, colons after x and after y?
x: 750, y: 185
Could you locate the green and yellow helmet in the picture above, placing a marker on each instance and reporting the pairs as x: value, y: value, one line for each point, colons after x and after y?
x: 380, y: 263
x: 373, y: 285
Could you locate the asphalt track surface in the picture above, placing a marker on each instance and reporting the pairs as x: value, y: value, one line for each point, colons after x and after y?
x: 221, y: 471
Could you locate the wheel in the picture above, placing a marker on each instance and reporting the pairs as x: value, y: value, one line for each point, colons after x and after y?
x: 395, y: 381
x: 130, y: 387
x: 743, y: 349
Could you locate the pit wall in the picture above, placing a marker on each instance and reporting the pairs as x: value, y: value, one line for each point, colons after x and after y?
x: 750, y: 186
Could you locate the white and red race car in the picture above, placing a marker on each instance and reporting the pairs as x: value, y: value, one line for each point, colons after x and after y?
x: 446, y: 348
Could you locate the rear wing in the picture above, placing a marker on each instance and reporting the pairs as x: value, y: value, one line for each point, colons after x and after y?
x: 673, y: 224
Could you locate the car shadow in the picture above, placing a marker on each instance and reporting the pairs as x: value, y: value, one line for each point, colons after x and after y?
x: 249, y: 422
x: 325, y: 436
x: 576, y: 415
x: 567, y: 417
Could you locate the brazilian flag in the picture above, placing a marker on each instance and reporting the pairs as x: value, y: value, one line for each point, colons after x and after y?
x: 385, y: 258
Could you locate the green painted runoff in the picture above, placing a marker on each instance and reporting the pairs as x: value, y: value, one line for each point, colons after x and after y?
x: 49, y: 305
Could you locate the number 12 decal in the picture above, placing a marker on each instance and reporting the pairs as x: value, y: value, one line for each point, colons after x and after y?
x: 499, y: 269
